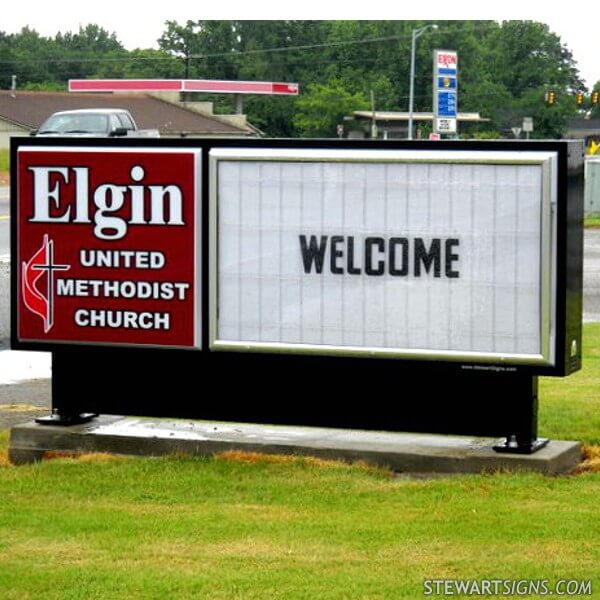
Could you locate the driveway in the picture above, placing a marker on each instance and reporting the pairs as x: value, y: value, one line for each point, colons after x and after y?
x: 591, y: 276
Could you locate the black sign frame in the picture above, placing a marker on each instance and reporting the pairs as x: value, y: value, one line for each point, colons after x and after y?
x: 370, y: 393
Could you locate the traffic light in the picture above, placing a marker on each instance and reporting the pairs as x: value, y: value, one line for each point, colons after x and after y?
x: 550, y: 97
x: 596, y: 97
x: 579, y: 98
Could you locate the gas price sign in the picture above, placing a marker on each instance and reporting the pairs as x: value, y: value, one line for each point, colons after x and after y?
x: 445, y: 94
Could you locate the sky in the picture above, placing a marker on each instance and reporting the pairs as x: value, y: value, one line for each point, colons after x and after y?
x: 139, y: 25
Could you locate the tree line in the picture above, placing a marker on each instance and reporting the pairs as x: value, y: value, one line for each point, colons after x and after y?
x: 505, y: 68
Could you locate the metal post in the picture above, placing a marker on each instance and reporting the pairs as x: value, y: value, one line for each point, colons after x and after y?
x: 411, y: 94
x: 66, y: 399
x: 522, y: 437
x: 373, y: 117
x: 239, y: 104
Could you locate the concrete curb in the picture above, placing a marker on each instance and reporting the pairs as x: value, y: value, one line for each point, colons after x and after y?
x: 402, y: 452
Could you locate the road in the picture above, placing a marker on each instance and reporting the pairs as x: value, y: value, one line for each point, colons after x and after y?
x: 591, y: 275
x: 4, y: 222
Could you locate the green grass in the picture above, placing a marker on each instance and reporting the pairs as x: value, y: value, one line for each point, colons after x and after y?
x: 570, y: 407
x: 212, y: 528
x: 592, y: 222
x: 184, y: 528
x: 4, y: 160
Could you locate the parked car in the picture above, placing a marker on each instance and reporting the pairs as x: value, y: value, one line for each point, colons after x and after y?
x: 92, y: 122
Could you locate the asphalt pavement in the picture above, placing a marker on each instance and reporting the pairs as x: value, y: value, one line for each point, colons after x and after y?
x: 24, y: 401
x: 25, y: 388
x: 591, y: 276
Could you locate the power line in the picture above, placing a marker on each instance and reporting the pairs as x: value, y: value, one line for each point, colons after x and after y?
x: 302, y: 47
x: 400, y: 36
x: 97, y: 59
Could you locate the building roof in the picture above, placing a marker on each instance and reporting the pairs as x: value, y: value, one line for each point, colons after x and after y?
x: 417, y: 116
x: 31, y: 109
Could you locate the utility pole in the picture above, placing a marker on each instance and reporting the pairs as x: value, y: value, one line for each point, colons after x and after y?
x: 411, y: 97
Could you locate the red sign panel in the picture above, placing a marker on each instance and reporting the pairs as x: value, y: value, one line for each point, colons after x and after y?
x: 125, y: 85
x: 184, y: 85
x: 240, y: 87
x: 109, y: 246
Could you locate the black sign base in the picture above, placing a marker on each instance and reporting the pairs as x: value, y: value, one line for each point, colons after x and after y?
x: 348, y: 393
x: 57, y: 418
x: 514, y: 446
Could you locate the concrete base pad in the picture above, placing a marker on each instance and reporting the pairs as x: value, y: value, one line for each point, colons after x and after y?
x: 402, y: 452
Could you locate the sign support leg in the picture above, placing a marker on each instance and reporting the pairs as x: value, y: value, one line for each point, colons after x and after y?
x: 64, y: 409
x: 522, y: 438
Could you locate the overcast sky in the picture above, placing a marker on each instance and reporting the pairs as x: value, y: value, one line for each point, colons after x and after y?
x: 139, y: 25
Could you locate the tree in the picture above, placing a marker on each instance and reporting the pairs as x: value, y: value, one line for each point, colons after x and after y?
x: 206, y: 48
x: 549, y: 121
x: 30, y: 57
x: 323, y: 106
x: 89, y: 39
x: 526, y: 55
x: 49, y: 62
x: 247, y: 50
x: 504, y: 68
x: 150, y: 64
x: 6, y: 60
x: 78, y: 53
x: 491, y: 99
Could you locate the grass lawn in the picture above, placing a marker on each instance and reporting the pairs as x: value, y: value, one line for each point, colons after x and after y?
x: 266, y: 528
x: 570, y: 407
x: 4, y: 166
x: 4, y: 159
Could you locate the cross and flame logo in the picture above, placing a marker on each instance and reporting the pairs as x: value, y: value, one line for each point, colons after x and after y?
x: 41, y: 265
